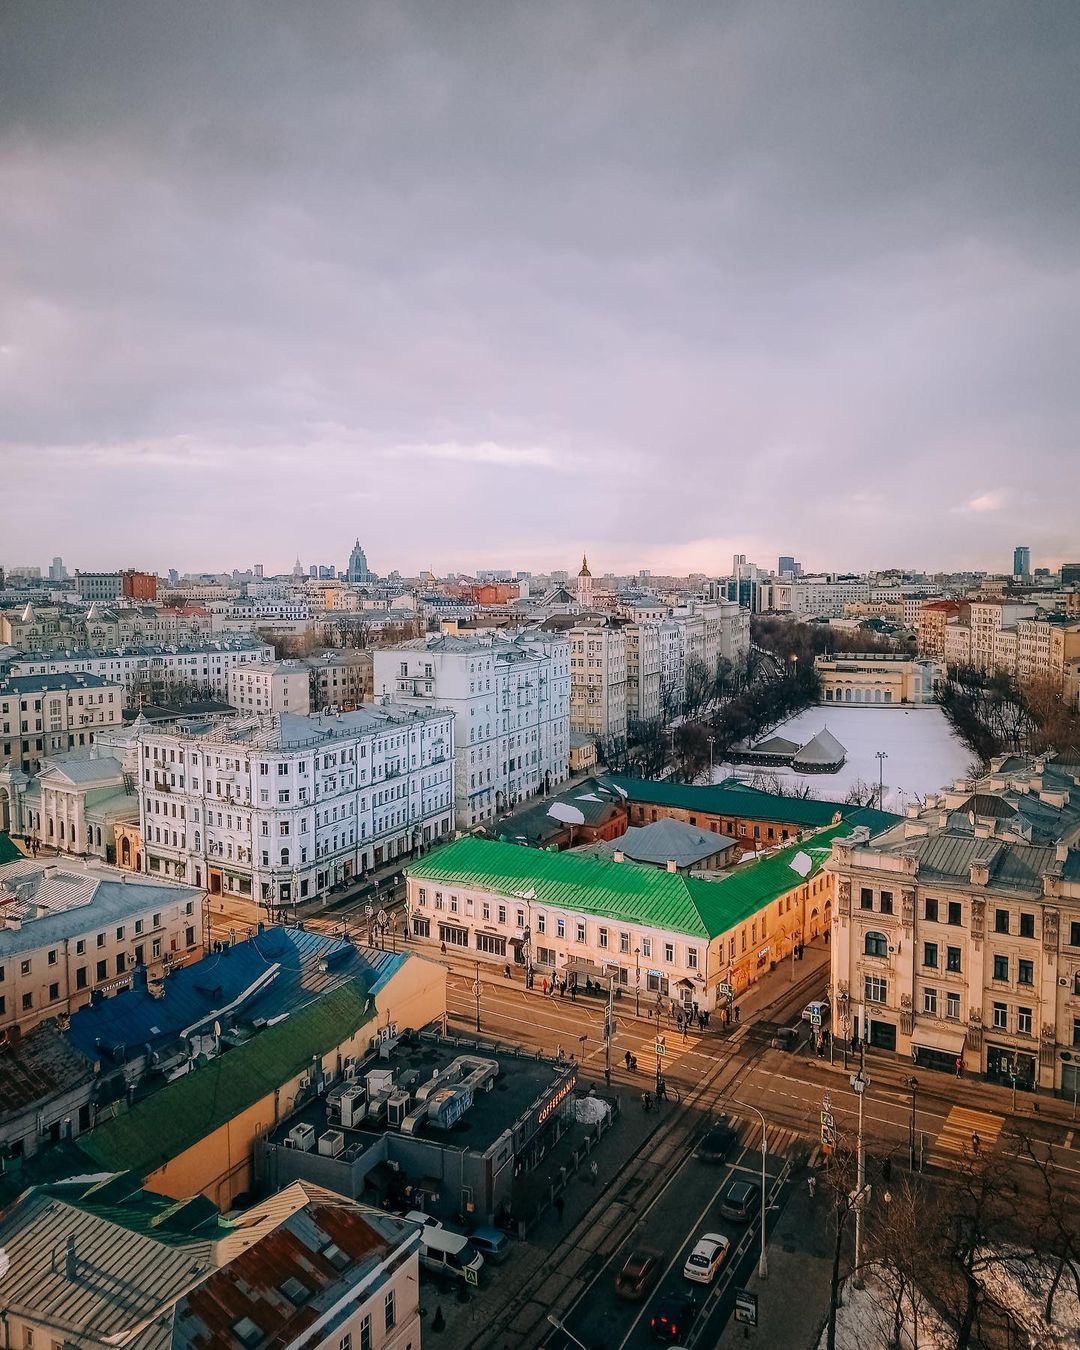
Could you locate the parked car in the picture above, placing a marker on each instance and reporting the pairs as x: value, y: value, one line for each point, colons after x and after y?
x: 741, y: 1201
x: 639, y: 1272
x: 492, y: 1243
x: 450, y: 1254
x: 717, y: 1142
x: 818, y: 1005
x: 709, y: 1254
x: 673, y: 1317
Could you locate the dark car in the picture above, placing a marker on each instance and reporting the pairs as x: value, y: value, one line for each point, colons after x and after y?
x: 716, y: 1143
x: 673, y: 1317
x: 639, y: 1271
x: 742, y: 1201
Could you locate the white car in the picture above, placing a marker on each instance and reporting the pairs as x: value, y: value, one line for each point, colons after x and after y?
x: 705, y: 1260
x: 819, y: 1006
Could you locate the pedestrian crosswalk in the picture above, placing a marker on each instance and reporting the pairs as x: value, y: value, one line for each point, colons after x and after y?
x: 957, y: 1137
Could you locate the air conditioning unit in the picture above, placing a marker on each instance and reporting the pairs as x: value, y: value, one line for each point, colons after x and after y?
x: 303, y: 1084
x: 351, y: 1073
x: 353, y: 1107
x: 301, y: 1137
x: 397, y: 1108
x: 331, y: 1144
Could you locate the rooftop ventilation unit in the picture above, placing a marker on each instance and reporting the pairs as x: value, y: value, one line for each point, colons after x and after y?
x: 301, y: 1137
x: 331, y: 1144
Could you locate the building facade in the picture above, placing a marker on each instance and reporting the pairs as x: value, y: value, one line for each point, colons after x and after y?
x: 876, y: 679
x: 598, y: 680
x: 510, y: 696
x: 73, y: 932
x: 282, y: 807
x: 342, y: 679
x: 42, y: 715
x: 271, y: 686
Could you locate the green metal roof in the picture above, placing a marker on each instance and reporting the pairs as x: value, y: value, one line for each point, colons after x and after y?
x: 9, y: 852
x: 164, y: 1125
x: 728, y: 801
x: 626, y: 892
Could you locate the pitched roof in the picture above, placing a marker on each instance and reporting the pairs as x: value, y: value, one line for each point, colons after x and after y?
x: 629, y: 892
x: 9, y: 851
x: 726, y: 801
x: 668, y: 840
x: 823, y: 748
x: 178, y: 1115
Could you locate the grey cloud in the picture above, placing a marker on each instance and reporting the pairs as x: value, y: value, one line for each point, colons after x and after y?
x: 662, y: 280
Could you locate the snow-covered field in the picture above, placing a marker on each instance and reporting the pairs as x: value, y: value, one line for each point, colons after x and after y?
x: 923, y: 754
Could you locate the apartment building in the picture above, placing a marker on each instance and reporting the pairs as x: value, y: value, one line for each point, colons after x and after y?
x: 151, y: 674
x: 43, y: 715
x: 598, y: 679
x: 106, y: 586
x: 510, y: 697
x: 282, y: 807
x: 643, y: 671
x: 935, y: 616
x: 270, y: 686
x: 1046, y: 647
x: 953, y: 940
x: 71, y: 932
x: 341, y: 679
x: 821, y: 597
x: 993, y: 633
x: 305, y: 1270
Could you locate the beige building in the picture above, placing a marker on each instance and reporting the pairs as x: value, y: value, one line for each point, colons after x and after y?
x: 643, y: 671
x: 71, y: 931
x: 953, y: 939
x: 935, y: 616
x: 271, y: 687
x: 341, y: 678
x: 991, y: 621
x: 303, y: 1270
x: 42, y: 715
x: 878, y: 678
x: 598, y: 679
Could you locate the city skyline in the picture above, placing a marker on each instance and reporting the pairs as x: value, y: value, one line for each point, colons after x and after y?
x: 690, y: 284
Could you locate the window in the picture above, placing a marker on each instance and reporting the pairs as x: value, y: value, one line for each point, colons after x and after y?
x: 669, y: 953
x: 952, y: 960
x: 956, y: 915
x: 886, y: 902
x: 80, y: 978
x: 1001, y: 967
x: 952, y: 1006
x: 601, y: 937
x: 1027, y: 925
x: 502, y: 914
x: 388, y: 1310
x: 1074, y: 934
x: 490, y: 943
x: 52, y: 957
x: 1025, y: 972
x: 80, y: 948
x: 365, y: 1332
x: 624, y: 943
x: 691, y: 958
x: 866, y: 898
x: 453, y: 937
x: 541, y: 922
x: 346, y: 1341
x: 1001, y: 920
x: 1023, y: 1021
x: 102, y: 972
x: 646, y: 948
x: 581, y: 932
x: 421, y: 927
x: 930, y: 909
x: 101, y: 939
x: 24, y: 967
x: 560, y: 928
x: 1001, y: 1016
x: 1076, y: 1033
x: 929, y: 1002
x: 930, y: 955
x: 876, y: 944
x: 876, y: 989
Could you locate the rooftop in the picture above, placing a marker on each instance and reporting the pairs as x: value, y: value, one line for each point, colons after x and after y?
x: 663, y: 841
x: 14, y: 685
x: 629, y: 892
x: 724, y: 801
x: 39, y: 899
x: 946, y: 856
x: 294, y: 731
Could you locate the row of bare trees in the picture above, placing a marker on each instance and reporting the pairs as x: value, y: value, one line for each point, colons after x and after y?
x: 935, y: 1247
x: 994, y: 714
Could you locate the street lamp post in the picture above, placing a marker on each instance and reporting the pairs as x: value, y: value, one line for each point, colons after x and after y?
x: 637, y: 982
x: 712, y: 742
x: 859, y: 1083
x: 381, y: 918
x: 561, y: 1326
x: 913, y: 1084
x: 476, y: 993
x: 763, y: 1260
x: 881, y: 757
x: 369, y: 910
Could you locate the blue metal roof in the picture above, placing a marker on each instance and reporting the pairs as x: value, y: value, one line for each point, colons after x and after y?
x: 288, y: 961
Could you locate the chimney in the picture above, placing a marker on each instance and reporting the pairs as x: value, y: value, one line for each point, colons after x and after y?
x: 619, y: 855
x: 1061, y: 852
x: 980, y: 872
x: 71, y: 1259
x: 672, y: 865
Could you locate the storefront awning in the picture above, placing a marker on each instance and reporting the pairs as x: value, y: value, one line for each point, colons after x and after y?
x: 949, y: 1039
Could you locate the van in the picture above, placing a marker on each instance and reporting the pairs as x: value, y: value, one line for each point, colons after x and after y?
x: 492, y: 1244
x: 451, y: 1253
x: 742, y: 1201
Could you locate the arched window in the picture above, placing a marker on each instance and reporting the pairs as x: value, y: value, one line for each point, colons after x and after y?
x: 89, y: 836
x: 876, y: 944
x: 284, y: 857
x: 198, y: 840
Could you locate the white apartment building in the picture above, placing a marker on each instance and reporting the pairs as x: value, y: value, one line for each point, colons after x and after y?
x: 510, y: 697
x: 643, y: 671
x: 75, y: 929
x: 598, y: 680
x: 271, y: 686
x: 48, y: 714
x: 993, y: 633
x: 818, y: 597
x: 282, y: 807
x: 150, y: 674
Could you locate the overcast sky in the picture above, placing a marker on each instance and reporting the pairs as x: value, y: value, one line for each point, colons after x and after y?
x: 488, y: 284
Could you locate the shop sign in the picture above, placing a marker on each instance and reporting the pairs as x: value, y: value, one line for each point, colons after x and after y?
x: 561, y: 1093
x: 746, y: 1307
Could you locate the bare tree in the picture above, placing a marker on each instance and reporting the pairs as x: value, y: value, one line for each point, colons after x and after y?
x: 1055, y: 1221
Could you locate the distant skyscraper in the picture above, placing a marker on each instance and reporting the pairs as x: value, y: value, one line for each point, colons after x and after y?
x: 358, y: 565
x: 174, y: 577
x: 57, y: 571
x: 584, y: 585
x: 785, y: 566
x: 1021, y: 561
x: 259, y: 570
x: 1070, y: 574
x: 738, y: 560
x: 298, y: 569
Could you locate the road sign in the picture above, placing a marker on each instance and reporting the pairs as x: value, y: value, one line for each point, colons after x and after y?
x: 661, y: 1049
x: 815, y: 1018
x: 859, y: 1083
x: 611, y: 1028
x: 725, y: 991
x: 746, y: 1307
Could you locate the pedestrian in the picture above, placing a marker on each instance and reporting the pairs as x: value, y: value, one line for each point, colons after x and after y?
x: 646, y: 1100
x: 811, y: 1185
x: 543, y: 985
x: 959, y: 1066
x: 633, y: 1063
x: 738, y: 1014
x: 607, y: 1074
x: 629, y: 1058
x: 592, y: 1172
x: 573, y: 993
x: 560, y: 1205
x: 707, y: 1016
x: 976, y: 1143
x: 558, y: 1052
x: 562, y: 988
x: 506, y: 970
